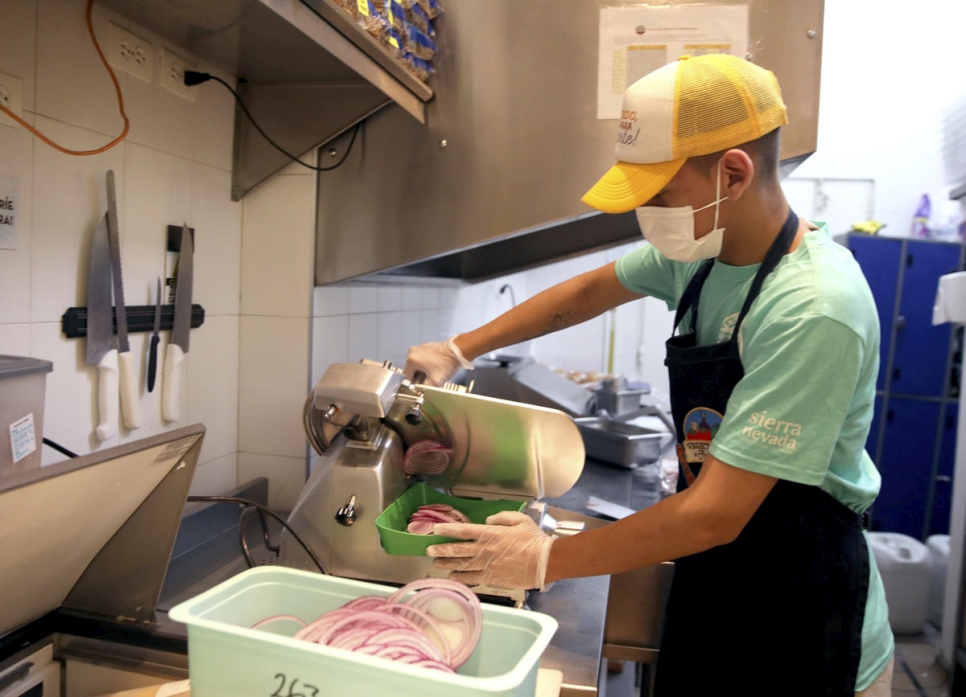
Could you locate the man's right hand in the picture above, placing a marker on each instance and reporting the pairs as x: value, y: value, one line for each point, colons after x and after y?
x: 438, y: 360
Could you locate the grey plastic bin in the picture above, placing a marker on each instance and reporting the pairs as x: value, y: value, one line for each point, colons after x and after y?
x: 22, y: 384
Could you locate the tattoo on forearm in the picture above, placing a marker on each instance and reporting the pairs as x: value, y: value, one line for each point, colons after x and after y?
x: 560, y: 320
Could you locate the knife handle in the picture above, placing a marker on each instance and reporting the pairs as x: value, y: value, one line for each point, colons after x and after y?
x: 153, y: 361
x: 130, y: 399
x: 107, y: 396
x: 171, y: 387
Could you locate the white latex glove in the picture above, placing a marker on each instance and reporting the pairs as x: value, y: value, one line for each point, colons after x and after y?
x: 439, y: 360
x: 510, y: 551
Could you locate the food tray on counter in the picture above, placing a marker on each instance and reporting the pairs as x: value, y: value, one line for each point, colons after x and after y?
x: 392, y: 522
x: 226, y: 658
x: 619, y: 442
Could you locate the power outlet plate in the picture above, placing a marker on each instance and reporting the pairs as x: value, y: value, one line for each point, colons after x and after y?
x: 11, y: 96
x: 131, y: 53
x: 171, y: 75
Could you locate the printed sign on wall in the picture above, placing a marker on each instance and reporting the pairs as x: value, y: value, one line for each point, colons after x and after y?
x: 8, y: 212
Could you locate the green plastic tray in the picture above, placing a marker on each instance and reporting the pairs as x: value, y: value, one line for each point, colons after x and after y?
x: 392, y: 521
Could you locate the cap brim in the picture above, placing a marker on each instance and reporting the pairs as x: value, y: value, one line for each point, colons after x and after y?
x: 627, y: 186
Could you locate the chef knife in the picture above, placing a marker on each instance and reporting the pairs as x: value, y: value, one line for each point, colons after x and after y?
x: 100, y: 331
x: 130, y: 408
x: 155, y: 339
x: 178, y: 344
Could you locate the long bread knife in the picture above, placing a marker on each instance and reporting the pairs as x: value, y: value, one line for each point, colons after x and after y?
x: 130, y: 404
x: 100, y: 331
x: 181, y: 328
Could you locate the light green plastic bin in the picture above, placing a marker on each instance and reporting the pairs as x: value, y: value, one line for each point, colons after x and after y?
x: 228, y: 659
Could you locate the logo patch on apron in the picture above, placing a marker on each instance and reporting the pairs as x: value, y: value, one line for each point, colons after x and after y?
x: 700, y: 426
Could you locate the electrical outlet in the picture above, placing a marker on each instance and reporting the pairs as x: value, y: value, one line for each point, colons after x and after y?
x: 11, y: 96
x: 171, y: 77
x: 131, y: 54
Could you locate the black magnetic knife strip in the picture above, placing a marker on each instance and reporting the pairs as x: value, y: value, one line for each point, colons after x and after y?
x: 140, y: 318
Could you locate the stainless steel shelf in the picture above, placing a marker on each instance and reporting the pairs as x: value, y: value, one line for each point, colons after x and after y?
x: 307, y: 72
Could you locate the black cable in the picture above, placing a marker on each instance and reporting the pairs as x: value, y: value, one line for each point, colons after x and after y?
x: 194, y: 77
x: 242, y: 540
x: 59, y: 448
x: 269, y: 511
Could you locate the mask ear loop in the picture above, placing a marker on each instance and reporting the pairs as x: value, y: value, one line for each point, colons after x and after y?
x: 717, y: 195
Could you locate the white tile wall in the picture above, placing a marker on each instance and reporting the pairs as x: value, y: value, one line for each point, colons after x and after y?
x: 212, y: 384
x: 173, y: 167
x: 273, y: 377
x: 278, y: 244
x: 17, y: 162
x: 286, y: 476
x: 15, y: 339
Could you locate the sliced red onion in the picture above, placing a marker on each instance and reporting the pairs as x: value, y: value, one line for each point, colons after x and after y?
x: 427, y: 458
x: 432, y: 623
x: 278, y: 618
x: 433, y: 513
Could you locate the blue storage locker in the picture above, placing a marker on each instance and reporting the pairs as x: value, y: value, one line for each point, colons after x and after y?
x: 922, y: 349
x: 908, y: 450
x: 879, y: 258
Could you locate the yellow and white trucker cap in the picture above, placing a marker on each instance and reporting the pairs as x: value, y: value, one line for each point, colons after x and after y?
x: 693, y: 106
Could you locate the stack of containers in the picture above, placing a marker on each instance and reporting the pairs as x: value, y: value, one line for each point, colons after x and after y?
x: 405, y: 27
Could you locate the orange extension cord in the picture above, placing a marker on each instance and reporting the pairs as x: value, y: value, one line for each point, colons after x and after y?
x: 120, y: 103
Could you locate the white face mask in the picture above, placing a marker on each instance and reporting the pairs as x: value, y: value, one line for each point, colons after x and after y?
x: 671, y: 230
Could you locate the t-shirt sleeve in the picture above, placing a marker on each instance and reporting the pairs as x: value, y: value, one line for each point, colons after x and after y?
x: 645, y: 270
x: 785, y: 415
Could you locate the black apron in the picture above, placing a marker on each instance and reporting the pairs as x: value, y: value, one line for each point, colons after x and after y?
x: 779, y: 611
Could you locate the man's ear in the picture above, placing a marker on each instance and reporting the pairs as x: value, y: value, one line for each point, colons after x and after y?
x: 737, y: 173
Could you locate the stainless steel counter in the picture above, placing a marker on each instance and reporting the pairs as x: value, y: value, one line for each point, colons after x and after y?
x: 580, y: 605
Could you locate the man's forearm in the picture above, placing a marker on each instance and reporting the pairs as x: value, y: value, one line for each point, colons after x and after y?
x: 711, y: 512
x: 564, y: 305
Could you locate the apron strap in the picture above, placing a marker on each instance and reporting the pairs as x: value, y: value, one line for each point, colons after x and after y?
x: 691, y: 293
x: 778, y: 249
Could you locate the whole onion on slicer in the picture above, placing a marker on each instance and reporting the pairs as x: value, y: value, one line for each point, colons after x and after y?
x: 434, y: 623
x: 423, y: 519
x: 427, y: 458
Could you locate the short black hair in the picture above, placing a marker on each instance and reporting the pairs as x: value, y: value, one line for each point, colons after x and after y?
x: 765, y: 151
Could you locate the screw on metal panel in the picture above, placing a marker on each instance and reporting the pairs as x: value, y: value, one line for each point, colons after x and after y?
x: 811, y: 33
x: 443, y: 143
x: 749, y: 56
x: 333, y: 152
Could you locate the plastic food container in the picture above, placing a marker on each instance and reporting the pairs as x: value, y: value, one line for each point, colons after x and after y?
x: 392, y: 522
x: 228, y: 659
x: 22, y: 385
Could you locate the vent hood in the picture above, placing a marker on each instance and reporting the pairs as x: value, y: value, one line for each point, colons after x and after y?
x: 491, y: 183
x: 307, y: 71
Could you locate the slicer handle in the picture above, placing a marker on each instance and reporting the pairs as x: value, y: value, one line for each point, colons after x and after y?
x: 130, y: 399
x: 107, y: 396
x: 171, y: 383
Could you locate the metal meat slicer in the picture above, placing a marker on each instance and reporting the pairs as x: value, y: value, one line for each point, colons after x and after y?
x: 362, y: 416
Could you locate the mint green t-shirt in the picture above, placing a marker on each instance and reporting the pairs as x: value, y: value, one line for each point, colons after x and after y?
x: 810, y: 351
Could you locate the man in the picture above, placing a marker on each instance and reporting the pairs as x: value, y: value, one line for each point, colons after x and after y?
x: 775, y: 589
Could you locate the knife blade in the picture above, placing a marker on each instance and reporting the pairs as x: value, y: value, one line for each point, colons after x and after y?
x: 130, y: 407
x: 155, y: 339
x: 180, y: 331
x: 100, y: 331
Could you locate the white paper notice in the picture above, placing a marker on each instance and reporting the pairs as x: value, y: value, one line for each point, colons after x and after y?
x: 22, y: 438
x: 637, y: 40
x: 8, y: 212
